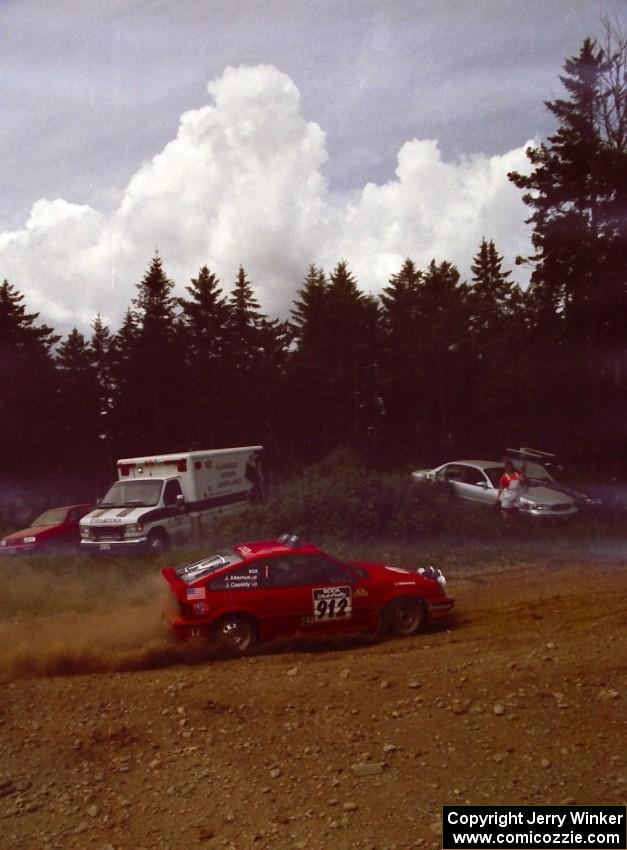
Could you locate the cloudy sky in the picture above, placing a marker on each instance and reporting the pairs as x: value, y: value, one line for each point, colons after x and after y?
x: 267, y: 133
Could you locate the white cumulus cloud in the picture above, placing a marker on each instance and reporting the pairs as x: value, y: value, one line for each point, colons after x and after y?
x: 243, y: 183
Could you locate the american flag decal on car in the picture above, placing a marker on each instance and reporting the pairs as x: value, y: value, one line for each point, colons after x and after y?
x: 195, y: 593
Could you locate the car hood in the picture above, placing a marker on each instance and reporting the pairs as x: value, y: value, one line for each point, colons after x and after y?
x: 33, y: 531
x: 116, y: 516
x: 422, y: 473
x: 396, y: 575
x: 542, y: 495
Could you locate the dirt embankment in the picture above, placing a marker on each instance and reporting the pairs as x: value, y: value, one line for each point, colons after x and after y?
x: 348, y: 744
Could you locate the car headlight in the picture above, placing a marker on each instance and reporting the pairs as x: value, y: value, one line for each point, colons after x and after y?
x: 30, y: 540
x: 136, y: 528
x: 86, y: 533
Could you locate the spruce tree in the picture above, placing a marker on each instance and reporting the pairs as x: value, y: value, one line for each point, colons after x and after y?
x: 29, y: 415
x: 254, y: 367
x: 402, y: 378
x: 79, y: 401
x: 576, y: 192
x: 350, y: 362
x: 205, y: 319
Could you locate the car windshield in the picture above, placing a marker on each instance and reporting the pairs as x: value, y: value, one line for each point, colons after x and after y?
x: 536, y: 474
x: 55, y: 516
x: 126, y: 494
x: 207, y: 566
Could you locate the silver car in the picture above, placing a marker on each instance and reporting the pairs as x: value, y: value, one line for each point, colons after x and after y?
x: 478, y: 481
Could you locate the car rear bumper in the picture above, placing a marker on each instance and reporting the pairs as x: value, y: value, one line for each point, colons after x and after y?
x: 183, y: 629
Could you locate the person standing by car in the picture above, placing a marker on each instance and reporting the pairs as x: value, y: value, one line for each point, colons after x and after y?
x: 510, y: 484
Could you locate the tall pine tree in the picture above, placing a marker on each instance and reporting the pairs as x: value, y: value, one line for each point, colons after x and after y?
x: 29, y: 416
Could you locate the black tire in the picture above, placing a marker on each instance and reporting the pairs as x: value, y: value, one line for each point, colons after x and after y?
x: 158, y: 542
x: 405, y: 616
x: 235, y: 634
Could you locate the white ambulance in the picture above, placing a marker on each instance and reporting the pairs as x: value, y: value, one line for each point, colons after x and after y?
x: 165, y: 499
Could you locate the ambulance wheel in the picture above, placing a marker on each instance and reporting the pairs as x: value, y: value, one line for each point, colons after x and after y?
x: 158, y: 542
x: 235, y: 634
x: 404, y: 617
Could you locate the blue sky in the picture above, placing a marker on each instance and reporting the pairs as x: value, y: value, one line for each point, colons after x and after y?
x: 368, y: 131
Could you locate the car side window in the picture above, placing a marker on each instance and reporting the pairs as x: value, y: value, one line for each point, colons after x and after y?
x: 475, y: 476
x: 303, y: 570
x: 172, y: 490
x: 454, y: 472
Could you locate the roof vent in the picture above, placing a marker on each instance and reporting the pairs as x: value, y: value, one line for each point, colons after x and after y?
x: 289, y: 540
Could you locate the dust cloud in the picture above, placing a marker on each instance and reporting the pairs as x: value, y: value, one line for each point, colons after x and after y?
x: 73, y: 616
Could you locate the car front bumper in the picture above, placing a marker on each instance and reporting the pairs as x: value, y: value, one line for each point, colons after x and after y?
x: 119, y: 546
x: 439, y: 610
x: 536, y: 513
x: 23, y: 549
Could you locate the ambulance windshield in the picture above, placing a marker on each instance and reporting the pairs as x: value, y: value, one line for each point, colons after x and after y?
x: 129, y: 494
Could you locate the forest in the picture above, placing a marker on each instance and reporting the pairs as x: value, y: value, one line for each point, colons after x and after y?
x: 434, y: 368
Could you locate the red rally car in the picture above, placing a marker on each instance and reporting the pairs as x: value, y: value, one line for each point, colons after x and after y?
x: 259, y: 591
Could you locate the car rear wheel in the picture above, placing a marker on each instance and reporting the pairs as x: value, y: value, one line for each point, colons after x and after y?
x: 404, y: 617
x: 236, y: 634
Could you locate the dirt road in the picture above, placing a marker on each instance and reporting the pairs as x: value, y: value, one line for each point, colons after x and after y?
x: 111, y: 740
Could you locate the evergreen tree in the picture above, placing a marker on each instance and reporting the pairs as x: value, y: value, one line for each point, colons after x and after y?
x: 126, y: 374
x: 401, y: 365
x: 79, y: 401
x: 440, y: 331
x: 101, y: 347
x: 205, y: 319
x: 308, y: 366
x: 493, y: 294
x: 151, y: 393
x: 255, y: 351
x: 495, y: 354
x: 577, y: 193
x: 349, y: 402
x: 28, y: 412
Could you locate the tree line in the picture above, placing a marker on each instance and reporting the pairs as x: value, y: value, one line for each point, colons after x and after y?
x: 433, y: 369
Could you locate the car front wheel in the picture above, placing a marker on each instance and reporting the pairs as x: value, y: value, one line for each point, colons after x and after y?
x: 236, y: 634
x: 404, y: 617
x: 158, y: 542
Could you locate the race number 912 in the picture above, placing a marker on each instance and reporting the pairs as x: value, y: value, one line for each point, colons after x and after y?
x: 330, y: 603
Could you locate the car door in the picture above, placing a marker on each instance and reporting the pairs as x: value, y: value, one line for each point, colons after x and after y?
x: 453, y: 475
x: 178, y: 523
x: 310, y: 593
x: 475, y: 486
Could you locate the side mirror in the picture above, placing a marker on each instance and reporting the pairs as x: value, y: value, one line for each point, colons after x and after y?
x: 180, y: 502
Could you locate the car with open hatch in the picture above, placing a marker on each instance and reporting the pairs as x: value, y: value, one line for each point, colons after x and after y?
x: 256, y: 592
x: 477, y: 481
x: 54, y: 529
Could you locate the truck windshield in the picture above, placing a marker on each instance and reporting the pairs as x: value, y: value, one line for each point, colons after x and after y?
x: 126, y: 494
